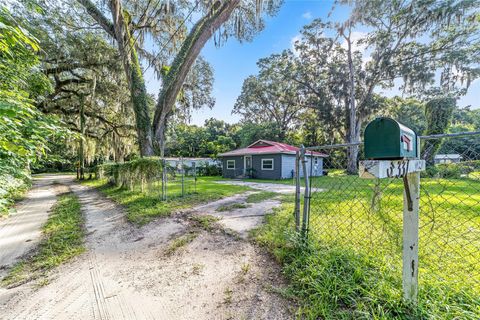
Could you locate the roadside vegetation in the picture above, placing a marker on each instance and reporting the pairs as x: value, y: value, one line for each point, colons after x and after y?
x: 143, y: 207
x: 63, y: 236
x: 350, y: 267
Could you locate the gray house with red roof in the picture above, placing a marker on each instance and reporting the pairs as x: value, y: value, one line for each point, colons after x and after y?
x: 267, y: 160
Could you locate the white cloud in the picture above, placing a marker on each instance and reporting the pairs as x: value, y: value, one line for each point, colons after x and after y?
x: 307, y: 15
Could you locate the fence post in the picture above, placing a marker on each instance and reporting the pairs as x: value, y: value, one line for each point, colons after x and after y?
x: 164, y: 180
x: 411, y: 206
x: 306, y: 200
x: 195, y: 176
x: 297, y: 191
x: 182, y: 170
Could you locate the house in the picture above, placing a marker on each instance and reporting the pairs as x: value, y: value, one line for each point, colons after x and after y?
x: 447, y: 158
x: 267, y: 160
x: 190, y: 162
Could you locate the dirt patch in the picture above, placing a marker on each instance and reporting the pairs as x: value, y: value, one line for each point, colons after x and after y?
x: 235, y: 216
x: 126, y: 274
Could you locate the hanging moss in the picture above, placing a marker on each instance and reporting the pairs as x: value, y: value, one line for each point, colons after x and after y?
x: 438, y: 113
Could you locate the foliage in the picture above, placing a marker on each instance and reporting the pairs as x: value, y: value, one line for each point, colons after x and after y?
x: 409, y: 112
x: 269, y: 97
x: 63, y: 240
x: 24, y: 131
x: 213, y: 138
x: 438, y: 114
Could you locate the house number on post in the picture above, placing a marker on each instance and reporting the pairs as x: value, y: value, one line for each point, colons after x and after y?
x: 393, y: 151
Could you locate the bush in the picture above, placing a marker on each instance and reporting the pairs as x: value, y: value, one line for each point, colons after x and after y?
x: 209, y: 170
x: 452, y: 170
x: 127, y: 173
x: 13, y: 183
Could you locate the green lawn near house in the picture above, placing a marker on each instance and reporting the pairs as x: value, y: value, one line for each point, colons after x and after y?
x: 350, y: 268
x: 143, y: 207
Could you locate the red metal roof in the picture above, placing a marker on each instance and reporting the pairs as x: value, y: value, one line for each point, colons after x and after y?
x: 267, y: 147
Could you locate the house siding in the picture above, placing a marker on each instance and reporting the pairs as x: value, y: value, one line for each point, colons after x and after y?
x: 230, y: 173
x: 288, y: 164
x: 276, y: 173
x: 283, y: 164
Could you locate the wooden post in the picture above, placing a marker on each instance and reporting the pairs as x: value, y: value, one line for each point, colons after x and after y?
x: 297, y: 191
x: 411, y: 207
x: 164, y: 180
x: 195, y: 176
x: 306, y: 200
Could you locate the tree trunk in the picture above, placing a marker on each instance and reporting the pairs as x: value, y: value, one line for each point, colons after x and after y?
x: 119, y: 30
x: 191, y: 47
x: 136, y: 83
x: 354, y: 131
x: 81, y: 156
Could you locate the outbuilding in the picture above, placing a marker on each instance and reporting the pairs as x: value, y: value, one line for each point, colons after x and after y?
x: 267, y: 160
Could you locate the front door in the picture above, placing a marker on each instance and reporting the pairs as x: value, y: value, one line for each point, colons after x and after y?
x: 248, y: 165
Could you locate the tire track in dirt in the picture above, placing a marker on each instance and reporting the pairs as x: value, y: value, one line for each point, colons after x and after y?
x: 126, y: 274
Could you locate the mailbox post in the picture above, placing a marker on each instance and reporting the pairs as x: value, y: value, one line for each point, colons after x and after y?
x: 393, y: 151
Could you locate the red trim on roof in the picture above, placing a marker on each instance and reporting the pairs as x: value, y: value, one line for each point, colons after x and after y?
x: 270, y: 147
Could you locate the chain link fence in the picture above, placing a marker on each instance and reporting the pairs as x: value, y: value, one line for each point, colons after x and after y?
x: 162, y: 178
x: 345, y: 211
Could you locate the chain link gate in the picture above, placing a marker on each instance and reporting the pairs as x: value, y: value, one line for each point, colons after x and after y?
x: 343, y: 210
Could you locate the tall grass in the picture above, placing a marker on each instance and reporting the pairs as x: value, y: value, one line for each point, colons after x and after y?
x: 351, y: 266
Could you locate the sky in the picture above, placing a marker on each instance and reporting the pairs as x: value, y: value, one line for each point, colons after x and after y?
x: 235, y: 61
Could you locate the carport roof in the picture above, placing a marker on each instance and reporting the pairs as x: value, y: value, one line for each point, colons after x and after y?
x: 267, y: 147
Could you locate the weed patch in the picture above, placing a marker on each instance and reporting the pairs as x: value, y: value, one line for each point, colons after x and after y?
x: 260, y: 196
x: 233, y: 206
x: 206, y: 222
x: 180, y: 242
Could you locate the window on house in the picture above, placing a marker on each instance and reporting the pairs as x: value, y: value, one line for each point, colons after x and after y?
x: 230, y: 164
x: 316, y: 160
x: 267, y: 164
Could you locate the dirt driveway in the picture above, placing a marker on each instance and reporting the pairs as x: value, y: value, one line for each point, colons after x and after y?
x: 21, y: 231
x: 133, y: 273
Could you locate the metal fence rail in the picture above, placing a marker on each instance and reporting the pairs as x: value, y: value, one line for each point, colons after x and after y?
x: 341, y: 210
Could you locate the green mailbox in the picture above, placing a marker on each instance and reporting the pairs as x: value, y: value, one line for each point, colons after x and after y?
x: 388, y: 139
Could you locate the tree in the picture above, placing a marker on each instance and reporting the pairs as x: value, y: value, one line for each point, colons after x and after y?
x: 24, y: 131
x: 270, y: 97
x: 409, y: 112
x: 438, y: 113
x: 250, y: 132
x: 122, y: 27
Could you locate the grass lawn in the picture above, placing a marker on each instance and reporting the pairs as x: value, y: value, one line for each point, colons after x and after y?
x: 143, y: 207
x: 351, y: 266
x: 63, y: 239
